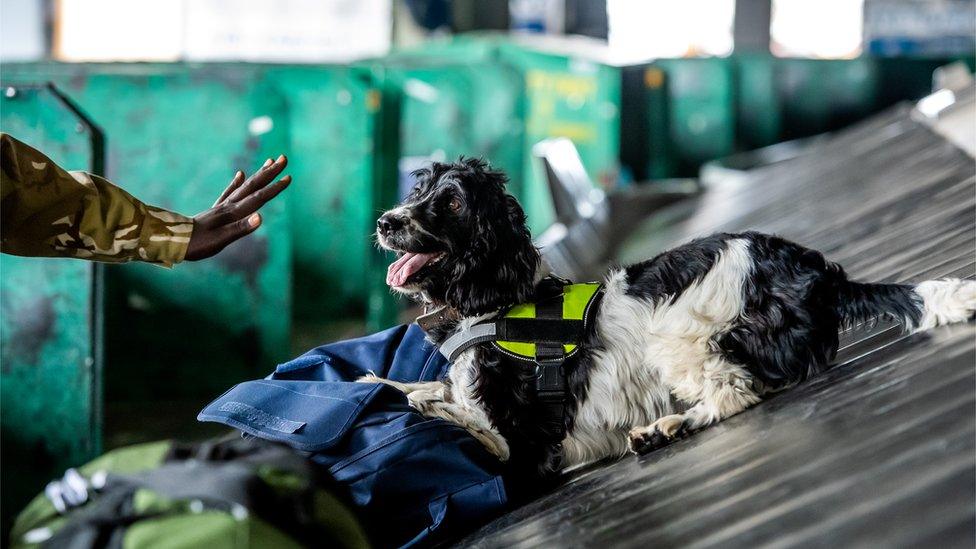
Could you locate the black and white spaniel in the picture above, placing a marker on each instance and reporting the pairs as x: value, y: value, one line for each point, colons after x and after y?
x: 683, y: 340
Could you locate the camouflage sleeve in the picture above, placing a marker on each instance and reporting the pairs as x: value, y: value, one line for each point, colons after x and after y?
x: 49, y: 212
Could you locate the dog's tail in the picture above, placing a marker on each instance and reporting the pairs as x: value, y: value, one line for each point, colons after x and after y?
x: 919, y: 306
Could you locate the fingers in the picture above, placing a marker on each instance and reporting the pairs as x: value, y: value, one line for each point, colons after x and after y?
x: 234, y: 183
x: 254, y: 202
x: 229, y: 212
x: 259, y: 179
x: 233, y: 231
x: 235, y: 213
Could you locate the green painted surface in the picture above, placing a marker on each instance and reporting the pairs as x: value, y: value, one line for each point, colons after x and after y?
x: 689, y: 110
x: 701, y: 111
x: 332, y: 119
x: 568, y: 97
x: 470, y: 109
x: 383, y: 308
x: 758, y: 110
x: 815, y: 96
x: 716, y: 106
x: 175, y: 136
x: 50, y: 377
x: 513, y: 98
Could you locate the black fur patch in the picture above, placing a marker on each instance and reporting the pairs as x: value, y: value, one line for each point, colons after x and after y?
x: 670, y: 273
x: 490, y: 260
x: 791, y: 318
x: 795, y: 302
x: 506, y: 388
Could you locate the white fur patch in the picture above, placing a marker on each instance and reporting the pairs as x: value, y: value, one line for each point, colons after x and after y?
x: 656, y: 350
x: 946, y: 301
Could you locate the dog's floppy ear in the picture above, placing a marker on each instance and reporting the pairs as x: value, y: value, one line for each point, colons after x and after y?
x: 499, y: 266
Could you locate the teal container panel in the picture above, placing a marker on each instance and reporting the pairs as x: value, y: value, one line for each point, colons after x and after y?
x: 383, y: 308
x: 567, y: 97
x: 50, y: 413
x: 701, y: 110
x: 175, y: 134
x: 470, y: 109
x: 759, y: 116
x: 332, y: 113
x: 817, y: 96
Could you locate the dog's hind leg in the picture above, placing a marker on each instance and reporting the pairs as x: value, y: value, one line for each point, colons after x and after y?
x: 725, y: 391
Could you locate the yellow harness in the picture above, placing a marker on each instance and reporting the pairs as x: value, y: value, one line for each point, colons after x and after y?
x: 577, y: 305
x: 544, y: 335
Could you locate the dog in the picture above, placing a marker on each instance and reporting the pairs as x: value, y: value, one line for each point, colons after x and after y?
x: 695, y: 335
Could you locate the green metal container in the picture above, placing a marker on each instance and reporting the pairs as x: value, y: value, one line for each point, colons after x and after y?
x: 816, y: 96
x: 175, y: 135
x: 759, y: 118
x: 701, y: 111
x: 518, y: 96
x: 566, y: 96
x: 332, y: 121
x: 50, y: 341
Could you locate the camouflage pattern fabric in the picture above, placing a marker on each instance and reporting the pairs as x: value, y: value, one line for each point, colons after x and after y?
x: 50, y: 212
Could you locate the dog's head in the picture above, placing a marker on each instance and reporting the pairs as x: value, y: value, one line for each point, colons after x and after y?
x: 462, y: 240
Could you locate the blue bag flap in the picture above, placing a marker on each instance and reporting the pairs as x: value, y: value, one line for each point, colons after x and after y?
x: 401, y: 354
x: 306, y: 415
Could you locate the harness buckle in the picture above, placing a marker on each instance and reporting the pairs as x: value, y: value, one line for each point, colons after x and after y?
x: 550, y: 380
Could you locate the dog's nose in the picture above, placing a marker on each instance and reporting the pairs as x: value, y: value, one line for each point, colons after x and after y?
x: 388, y: 223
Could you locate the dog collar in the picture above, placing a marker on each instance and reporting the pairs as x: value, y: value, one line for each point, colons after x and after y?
x: 436, y: 318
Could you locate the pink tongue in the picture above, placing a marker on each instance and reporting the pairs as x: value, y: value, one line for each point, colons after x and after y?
x: 401, y: 269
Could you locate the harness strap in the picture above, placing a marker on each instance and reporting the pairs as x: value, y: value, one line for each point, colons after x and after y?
x: 546, y: 327
x: 465, y: 339
x: 550, y: 383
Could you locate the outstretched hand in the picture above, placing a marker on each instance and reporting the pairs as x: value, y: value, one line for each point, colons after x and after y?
x: 234, y: 215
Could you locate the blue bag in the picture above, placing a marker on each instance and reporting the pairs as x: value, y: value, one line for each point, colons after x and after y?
x: 414, y: 480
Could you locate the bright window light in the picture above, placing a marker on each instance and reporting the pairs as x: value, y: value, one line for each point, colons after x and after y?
x: 647, y: 29
x: 288, y: 30
x: 118, y: 30
x: 210, y: 30
x: 824, y: 29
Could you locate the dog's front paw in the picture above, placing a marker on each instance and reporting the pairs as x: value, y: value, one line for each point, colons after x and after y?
x: 369, y: 378
x: 494, y: 443
x: 659, y: 434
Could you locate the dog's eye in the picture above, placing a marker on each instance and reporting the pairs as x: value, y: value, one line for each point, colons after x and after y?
x: 455, y: 204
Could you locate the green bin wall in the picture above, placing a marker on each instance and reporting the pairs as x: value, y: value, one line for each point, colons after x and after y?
x: 557, y: 96
x: 816, y: 96
x: 175, y: 134
x: 50, y: 405
x: 567, y: 97
x: 712, y: 107
x: 451, y: 110
x: 332, y: 120
x: 701, y: 124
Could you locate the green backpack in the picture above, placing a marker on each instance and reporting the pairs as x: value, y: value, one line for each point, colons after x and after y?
x: 226, y: 493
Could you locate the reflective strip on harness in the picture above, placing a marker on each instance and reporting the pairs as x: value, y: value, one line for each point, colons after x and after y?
x: 461, y: 341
